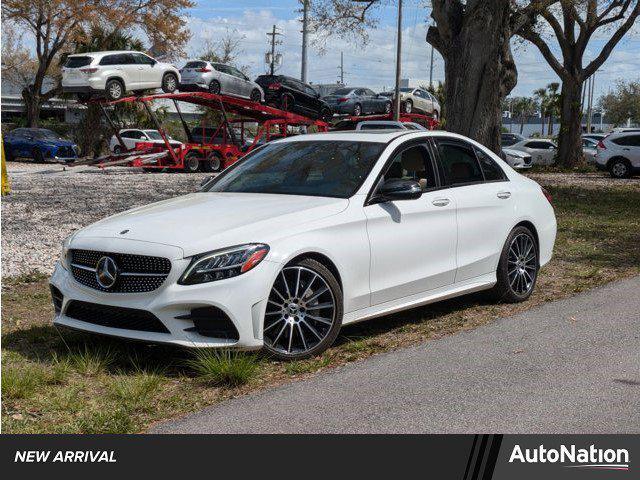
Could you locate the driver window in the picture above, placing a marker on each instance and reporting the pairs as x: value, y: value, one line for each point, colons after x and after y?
x: 413, y: 163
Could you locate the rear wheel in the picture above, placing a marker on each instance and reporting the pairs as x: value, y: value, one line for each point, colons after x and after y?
x: 304, y: 311
x: 518, y: 267
x: 192, y: 162
x: 620, y: 168
x: 408, y: 106
x: 326, y: 114
x: 169, y: 82
x: 214, y: 87
x: 286, y: 102
x: 37, y: 155
x: 357, y: 110
x: 114, y: 89
x: 213, y: 162
x: 387, y: 107
x: 256, y: 96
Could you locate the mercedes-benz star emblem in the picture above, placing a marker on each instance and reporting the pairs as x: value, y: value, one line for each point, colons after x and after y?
x: 106, y: 272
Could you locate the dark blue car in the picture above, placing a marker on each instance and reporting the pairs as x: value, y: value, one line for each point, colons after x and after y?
x: 40, y: 144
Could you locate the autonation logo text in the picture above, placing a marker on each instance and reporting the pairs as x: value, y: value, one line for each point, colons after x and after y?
x: 592, y: 457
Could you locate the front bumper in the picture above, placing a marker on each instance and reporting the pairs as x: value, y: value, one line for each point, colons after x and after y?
x: 243, y: 299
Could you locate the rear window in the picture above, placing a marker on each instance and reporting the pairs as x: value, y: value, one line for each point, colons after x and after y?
x: 77, y: 62
x: 343, y: 91
x: 195, y: 65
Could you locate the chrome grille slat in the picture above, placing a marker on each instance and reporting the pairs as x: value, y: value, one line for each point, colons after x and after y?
x: 138, y: 273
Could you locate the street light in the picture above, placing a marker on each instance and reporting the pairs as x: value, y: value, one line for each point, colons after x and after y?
x: 396, y: 102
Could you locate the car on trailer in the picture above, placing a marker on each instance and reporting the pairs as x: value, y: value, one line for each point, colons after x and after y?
x: 218, y: 78
x: 357, y: 101
x: 113, y: 73
x: 292, y: 95
x: 133, y: 136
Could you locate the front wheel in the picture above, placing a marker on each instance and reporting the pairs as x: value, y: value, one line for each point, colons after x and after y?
x: 256, y: 96
x: 38, y: 157
x: 408, y: 106
x: 518, y: 267
x: 169, y: 83
x: 304, y: 311
x: 214, y: 87
x: 620, y: 168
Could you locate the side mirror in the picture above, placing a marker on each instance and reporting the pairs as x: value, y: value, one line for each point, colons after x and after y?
x: 398, y: 189
x: 205, y: 181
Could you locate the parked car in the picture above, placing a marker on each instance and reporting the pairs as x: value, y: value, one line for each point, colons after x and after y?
x: 116, y: 72
x: 625, y: 130
x: 619, y: 154
x: 218, y: 78
x: 508, y: 139
x: 307, y: 237
x: 292, y: 95
x: 594, y: 136
x: 414, y: 100
x: 357, y: 101
x: 132, y: 136
x: 589, y: 148
x: 39, y: 144
x: 388, y: 125
x: 517, y: 159
x: 542, y: 151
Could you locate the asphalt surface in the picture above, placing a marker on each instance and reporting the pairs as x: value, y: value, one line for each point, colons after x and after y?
x: 571, y: 366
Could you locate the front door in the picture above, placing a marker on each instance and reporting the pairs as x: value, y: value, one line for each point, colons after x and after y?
x: 412, y: 242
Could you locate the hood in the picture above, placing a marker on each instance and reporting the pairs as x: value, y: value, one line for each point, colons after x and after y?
x: 201, y: 222
x: 515, y: 153
x: 58, y: 143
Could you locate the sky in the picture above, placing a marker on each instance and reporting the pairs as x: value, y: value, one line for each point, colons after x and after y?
x: 373, y: 65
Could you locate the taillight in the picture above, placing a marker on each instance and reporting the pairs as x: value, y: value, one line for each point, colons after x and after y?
x: 203, y: 70
x: 274, y: 86
x: 89, y: 70
x: 601, y: 145
x: 547, y: 195
x: 343, y: 99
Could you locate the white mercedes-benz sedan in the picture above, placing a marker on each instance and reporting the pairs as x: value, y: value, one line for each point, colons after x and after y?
x: 307, y: 234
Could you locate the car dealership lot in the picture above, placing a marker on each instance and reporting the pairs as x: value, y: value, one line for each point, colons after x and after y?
x: 123, y: 387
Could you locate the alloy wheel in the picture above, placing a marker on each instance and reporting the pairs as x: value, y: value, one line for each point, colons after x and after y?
x: 115, y: 90
x: 522, y: 264
x: 301, y: 311
x: 170, y: 83
x: 357, y: 110
x: 619, y: 170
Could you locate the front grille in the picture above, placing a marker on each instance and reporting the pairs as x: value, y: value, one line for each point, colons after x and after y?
x: 115, y: 317
x: 527, y: 160
x: 137, y: 273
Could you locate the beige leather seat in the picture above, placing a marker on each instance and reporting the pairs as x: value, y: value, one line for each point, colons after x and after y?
x: 413, y: 161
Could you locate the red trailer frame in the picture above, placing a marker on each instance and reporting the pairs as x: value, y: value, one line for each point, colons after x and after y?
x: 228, y: 151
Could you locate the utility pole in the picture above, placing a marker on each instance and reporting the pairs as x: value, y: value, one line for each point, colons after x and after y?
x: 341, y: 67
x: 305, y: 24
x: 431, y: 70
x: 273, y: 34
x: 396, y: 105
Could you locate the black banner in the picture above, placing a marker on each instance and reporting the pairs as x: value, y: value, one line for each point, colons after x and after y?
x: 460, y: 457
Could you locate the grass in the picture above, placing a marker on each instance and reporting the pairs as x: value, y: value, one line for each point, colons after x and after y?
x: 65, y: 382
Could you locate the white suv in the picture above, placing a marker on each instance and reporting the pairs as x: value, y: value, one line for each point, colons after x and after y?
x: 114, y: 73
x: 619, y: 153
x: 132, y: 136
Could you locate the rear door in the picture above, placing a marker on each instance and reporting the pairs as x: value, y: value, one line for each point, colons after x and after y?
x: 484, y: 202
x: 149, y: 75
x: 630, y: 146
x: 412, y: 242
x: 241, y: 81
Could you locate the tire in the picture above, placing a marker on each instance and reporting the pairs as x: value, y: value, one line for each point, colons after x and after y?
x: 213, y: 162
x: 169, y: 83
x: 357, y: 110
x: 388, y: 107
x: 37, y: 155
x: 255, y: 96
x: 214, y: 87
x: 290, y: 332
x: 192, y: 162
x: 286, y: 102
x: 518, y: 267
x: 620, y: 168
x: 114, y: 89
x: 408, y: 106
x: 326, y: 114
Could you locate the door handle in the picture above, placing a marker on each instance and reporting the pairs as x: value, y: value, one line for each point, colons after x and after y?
x: 441, y: 202
x: 504, y: 195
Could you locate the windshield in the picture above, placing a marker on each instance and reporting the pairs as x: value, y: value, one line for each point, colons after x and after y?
x: 153, y: 134
x: 45, y: 134
x: 314, y: 168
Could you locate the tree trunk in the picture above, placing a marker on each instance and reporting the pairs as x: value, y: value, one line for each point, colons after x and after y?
x: 479, y: 70
x: 570, y: 146
x: 521, y: 123
x: 542, y: 119
x: 550, y: 126
x: 32, y: 106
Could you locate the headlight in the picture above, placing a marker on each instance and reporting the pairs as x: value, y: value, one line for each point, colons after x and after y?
x: 64, y: 253
x: 221, y: 264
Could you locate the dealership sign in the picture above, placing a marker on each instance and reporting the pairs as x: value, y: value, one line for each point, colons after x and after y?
x: 573, y: 457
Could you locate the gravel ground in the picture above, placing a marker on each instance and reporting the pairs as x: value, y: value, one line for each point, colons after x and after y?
x: 47, y: 204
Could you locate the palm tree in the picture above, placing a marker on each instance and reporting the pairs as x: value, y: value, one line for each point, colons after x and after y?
x: 553, y: 104
x: 524, y: 106
x: 543, y: 99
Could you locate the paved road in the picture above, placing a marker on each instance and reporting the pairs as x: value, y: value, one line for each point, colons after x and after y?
x: 571, y: 366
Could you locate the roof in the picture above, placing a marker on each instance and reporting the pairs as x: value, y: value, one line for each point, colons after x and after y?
x: 106, y: 52
x: 377, y: 136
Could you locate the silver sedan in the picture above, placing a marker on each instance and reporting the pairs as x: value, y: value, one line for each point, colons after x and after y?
x: 199, y: 75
